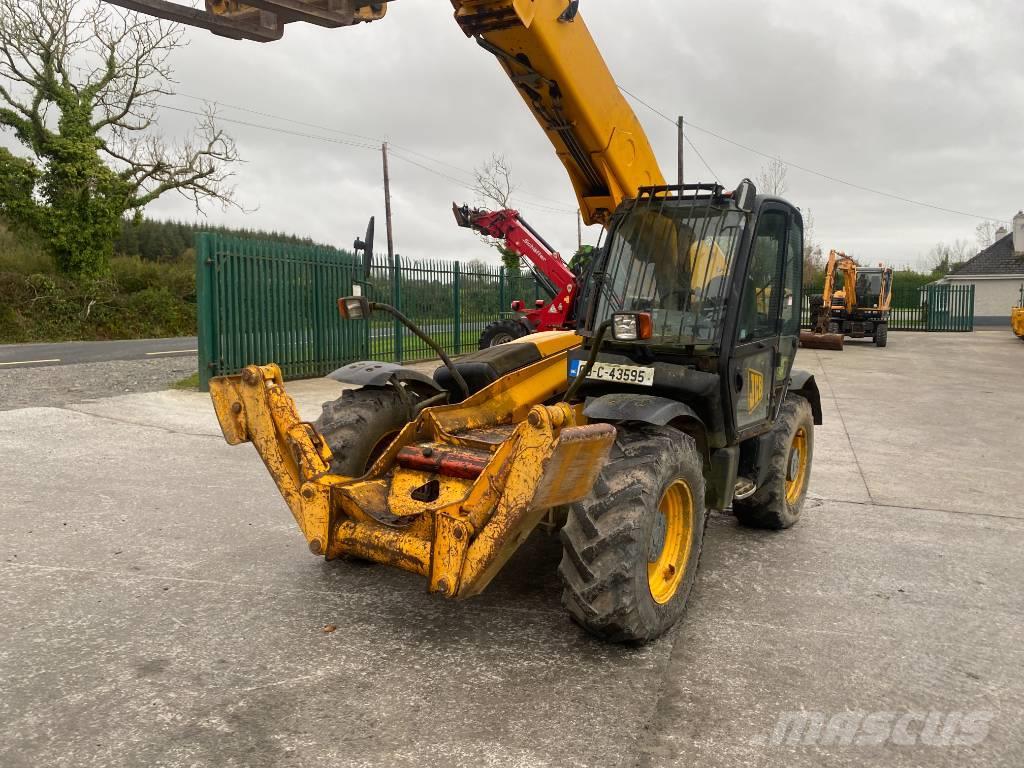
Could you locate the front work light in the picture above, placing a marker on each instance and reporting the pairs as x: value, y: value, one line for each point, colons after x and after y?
x: 354, y: 307
x: 632, y: 326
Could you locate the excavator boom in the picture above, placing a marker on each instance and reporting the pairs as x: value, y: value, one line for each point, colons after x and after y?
x: 544, y: 47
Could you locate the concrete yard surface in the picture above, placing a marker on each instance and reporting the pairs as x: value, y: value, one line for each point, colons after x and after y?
x: 160, y: 607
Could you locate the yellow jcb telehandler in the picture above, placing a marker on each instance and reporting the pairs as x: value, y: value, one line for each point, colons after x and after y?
x: 676, y: 395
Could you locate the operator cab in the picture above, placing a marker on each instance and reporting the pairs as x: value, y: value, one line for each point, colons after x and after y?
x: 720, y: 276
x: 872, y: 285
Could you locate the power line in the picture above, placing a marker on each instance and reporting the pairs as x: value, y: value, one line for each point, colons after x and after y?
x: 661, y: 114
x: 359, y: 145
x: 285, y: 131
x: 805, y: 169
x: 378, y: 141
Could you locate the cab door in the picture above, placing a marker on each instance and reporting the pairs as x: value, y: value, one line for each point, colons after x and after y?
x: 768, y: 325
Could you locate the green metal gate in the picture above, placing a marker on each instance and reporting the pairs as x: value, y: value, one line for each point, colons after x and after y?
x: 261, y: 301
x: 949, y: 307
x: 941, y: 308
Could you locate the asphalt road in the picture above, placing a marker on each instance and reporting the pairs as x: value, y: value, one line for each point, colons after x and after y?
x: 69, y: 352
x: 160, y: 609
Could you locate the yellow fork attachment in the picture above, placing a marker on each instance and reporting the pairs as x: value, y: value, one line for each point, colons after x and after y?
x: 455, y: 494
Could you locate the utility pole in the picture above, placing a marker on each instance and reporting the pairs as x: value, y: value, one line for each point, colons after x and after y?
x: 579, y: 229
x: 387, y: 206
x: 682, y: 140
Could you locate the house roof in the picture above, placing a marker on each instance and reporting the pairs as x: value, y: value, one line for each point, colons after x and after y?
x: 997, y: 259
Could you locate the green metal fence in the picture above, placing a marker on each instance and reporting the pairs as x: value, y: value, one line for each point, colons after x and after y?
x: 262, y: 301
x: 940, y: 308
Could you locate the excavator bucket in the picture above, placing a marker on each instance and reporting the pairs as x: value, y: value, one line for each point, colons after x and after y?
x: 813, y: 340
x: 260, y: 20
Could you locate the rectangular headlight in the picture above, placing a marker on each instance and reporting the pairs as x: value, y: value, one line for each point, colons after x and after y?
x: 632, y: 326
x: 625, y: 327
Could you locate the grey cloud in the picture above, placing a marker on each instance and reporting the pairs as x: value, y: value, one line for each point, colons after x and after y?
x: 921, y: 100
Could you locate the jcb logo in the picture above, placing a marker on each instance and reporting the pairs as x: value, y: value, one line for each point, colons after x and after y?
x: 755, y: 389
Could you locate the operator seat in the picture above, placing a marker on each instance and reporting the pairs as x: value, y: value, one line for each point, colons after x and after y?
x: 485, y: 367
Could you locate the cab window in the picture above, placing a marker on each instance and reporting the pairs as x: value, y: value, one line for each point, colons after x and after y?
x: 763, y: 293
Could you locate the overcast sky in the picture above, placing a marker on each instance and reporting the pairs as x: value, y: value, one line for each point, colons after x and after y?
x: 923, y: 100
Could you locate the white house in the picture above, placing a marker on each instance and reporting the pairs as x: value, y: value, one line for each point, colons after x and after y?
x: 997, y: 274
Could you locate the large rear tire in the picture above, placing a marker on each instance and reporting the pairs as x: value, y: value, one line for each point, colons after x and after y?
x: 631, y: 548
x: 502, y: 332
x: 779, y: 500
x: 360, y: 425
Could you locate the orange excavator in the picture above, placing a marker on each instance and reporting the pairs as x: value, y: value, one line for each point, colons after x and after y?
x: 854, y: 302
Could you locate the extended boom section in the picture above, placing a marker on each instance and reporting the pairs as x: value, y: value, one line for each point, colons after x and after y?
x: 454, y: 495
x: 544, y: 47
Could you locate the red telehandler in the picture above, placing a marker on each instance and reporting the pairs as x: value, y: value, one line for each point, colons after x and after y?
x: 545, y: 263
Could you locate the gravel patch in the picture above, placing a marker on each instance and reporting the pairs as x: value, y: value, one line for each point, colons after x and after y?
x: 60, y: 385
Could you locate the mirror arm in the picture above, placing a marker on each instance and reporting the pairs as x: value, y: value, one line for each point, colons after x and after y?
x: 584, y: 371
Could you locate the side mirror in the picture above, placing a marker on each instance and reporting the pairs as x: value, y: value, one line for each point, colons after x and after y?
x: 744, y: 195
x: 366, y: 246
x: 354, y: 307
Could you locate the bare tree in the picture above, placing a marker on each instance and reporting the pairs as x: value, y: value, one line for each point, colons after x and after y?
x: 771, y: 180
x: 945, y: 258
x: 492, y: 183
x: 79, y: 84
x: 814, y: 258
x: 985, y: 232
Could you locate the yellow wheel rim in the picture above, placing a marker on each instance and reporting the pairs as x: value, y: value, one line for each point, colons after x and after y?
x: 796, y: 472
x: 665, y: 571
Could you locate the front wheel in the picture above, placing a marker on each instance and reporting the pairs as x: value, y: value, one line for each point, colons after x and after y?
x: 631, y: 548
x: 779, y: 500
x: 881, y: 335
x: 502, y: 332
x: 360, y: 425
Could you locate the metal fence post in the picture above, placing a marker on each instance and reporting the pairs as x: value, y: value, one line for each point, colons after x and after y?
x: 396, y: 300
x: 970, y: 308
x: 502, y: 303
x: 457, y: 307
x: 206, y: 321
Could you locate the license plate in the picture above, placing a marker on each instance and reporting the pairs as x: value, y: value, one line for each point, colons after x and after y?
x: 614, y: 373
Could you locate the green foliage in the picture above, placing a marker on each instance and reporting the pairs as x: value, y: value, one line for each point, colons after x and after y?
x: 133, y: 299
x: 72, y: 201
x: 189, y: 383
x: 902, y: 279
x: 78, y: 92
x: 153, y: 240
x: 18, y: 179
x: 509, y: 258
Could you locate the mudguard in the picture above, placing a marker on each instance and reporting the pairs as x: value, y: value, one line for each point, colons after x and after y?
x: 648, y: 409
x: 802, y: 383
x: 371, y: 373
